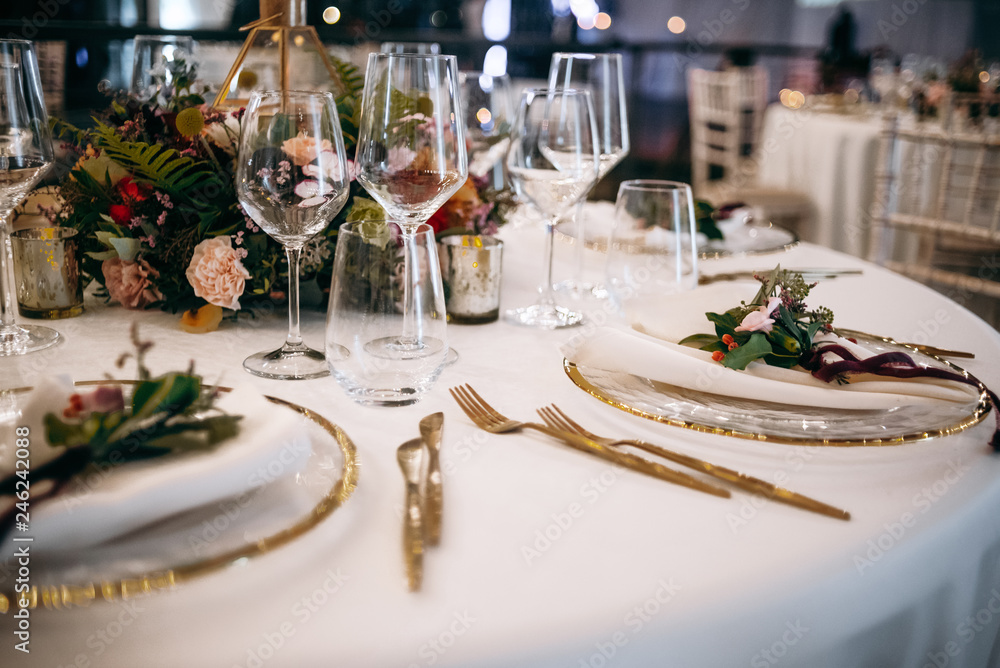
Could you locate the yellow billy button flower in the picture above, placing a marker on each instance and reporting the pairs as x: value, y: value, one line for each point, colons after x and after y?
x: 190, y: 122
x: 205, y: 319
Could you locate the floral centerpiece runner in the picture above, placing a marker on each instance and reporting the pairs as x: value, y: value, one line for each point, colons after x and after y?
x: 152, y: 192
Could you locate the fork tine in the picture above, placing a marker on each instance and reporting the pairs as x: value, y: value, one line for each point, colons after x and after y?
x: 572, y: 423
x: 483, y: 411
x: 551, y: 419
x: 485, y: 406
x: 466, y: 406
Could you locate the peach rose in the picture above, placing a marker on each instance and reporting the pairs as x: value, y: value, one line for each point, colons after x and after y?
x: 216, y: 273
x: 129, y: 283
x: 303, y: 150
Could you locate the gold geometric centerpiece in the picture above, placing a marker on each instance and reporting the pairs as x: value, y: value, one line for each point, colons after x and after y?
x: 280, y: 53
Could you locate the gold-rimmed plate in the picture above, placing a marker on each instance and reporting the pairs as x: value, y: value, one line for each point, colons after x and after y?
x: 202, y: 540
x: 753, y: 239
x: 780, y: 423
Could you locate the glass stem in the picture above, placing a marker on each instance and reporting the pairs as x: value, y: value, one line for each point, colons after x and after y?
x: 411, y: 336
x: 294, y: 339
x: 578, y: 229
x: 7, y: 304
x: 546, y: 295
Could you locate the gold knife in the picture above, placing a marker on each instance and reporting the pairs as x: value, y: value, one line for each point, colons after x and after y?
x: 410, y: 456
x: 430, y: 432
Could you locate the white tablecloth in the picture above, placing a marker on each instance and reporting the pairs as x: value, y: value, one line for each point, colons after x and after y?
x: 550, y: 557
x: 831, y: 157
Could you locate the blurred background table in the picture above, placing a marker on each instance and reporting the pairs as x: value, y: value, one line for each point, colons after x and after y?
x: 832, y: 156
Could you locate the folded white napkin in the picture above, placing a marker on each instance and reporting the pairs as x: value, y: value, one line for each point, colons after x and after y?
x: 98, y: 506
x: 655, y: 355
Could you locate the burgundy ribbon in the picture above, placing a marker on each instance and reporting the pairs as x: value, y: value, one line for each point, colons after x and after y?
x: 895, y: 364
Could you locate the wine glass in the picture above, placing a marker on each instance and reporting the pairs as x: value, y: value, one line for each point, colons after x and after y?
x: 488, y: 109
x: 25, y: 154
x: 151, y: 58
x: 411, y: 158
x: 552, y: 162
x: 292, y: 180
x: 601, y: 74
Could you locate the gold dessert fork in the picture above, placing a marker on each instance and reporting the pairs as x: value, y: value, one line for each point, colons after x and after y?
x: 488, y: 419
x: 555, y: 418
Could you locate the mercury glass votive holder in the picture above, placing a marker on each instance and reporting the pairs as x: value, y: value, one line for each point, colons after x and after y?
x: 47, y: 273
x: 471, y: 269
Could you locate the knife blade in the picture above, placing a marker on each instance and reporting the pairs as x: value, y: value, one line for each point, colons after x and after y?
x: 410, y: 456
x: 808, y: 274
x: 430, y: 432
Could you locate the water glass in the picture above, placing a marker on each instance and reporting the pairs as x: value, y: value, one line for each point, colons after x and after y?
x: 652, y: 252
x: 366, y: 309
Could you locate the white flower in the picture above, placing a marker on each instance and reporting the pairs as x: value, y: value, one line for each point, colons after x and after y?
x: 760, y: 320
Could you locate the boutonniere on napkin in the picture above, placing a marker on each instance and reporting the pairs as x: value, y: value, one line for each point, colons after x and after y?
x: 104, y: 427
x: 777, y: 328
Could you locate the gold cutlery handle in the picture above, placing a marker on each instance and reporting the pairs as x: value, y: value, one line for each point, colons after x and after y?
x: 629, y: 461
x: 742, y: 480
x: 433, y: 502
x: 413, y: 541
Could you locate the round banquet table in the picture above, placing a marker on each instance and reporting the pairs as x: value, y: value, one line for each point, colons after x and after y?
x: 550, y: 557
x: 830, y: 156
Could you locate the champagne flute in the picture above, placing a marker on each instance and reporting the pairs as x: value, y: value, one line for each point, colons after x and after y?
x: 411, y: 158
x: 552, y: 162
x: 292, y: 180
x: 25, y: 154
x: 601, y: 74
x: 488, y: 109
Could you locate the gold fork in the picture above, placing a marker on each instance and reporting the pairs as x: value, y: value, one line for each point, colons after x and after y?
x: 555, y: 418
x: 488, y: 419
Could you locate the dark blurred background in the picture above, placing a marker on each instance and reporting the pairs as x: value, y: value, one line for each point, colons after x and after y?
x: 807, y: 45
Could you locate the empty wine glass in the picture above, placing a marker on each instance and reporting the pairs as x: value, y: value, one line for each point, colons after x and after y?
x: 411, y: 158
x: 152, y: 56
x: 292, y: 180
x: 25, y: 154
x: 552, y: 162
x: 488, y: 109
x: 602, y: 75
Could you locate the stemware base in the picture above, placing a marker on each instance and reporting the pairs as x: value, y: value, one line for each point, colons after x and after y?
x: 397, y: 348
x: 581, y: 290
x: 23, y: 339
x: 544, y: 316
x: 288, y: 363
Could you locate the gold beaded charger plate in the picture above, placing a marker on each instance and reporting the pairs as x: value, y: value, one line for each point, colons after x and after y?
x: 781, y: 423
x: 275, y: 511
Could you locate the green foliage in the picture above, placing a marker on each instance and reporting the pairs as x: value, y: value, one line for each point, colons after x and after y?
x: 789, y: 337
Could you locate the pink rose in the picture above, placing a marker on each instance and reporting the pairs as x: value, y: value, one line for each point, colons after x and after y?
x: 216, y: 273
x: 760, y: 320
x: 303, y: 150
x: 129, y: 283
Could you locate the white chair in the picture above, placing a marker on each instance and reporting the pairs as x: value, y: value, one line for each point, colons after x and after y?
x: 936, y: 215
x: 727, y: 112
